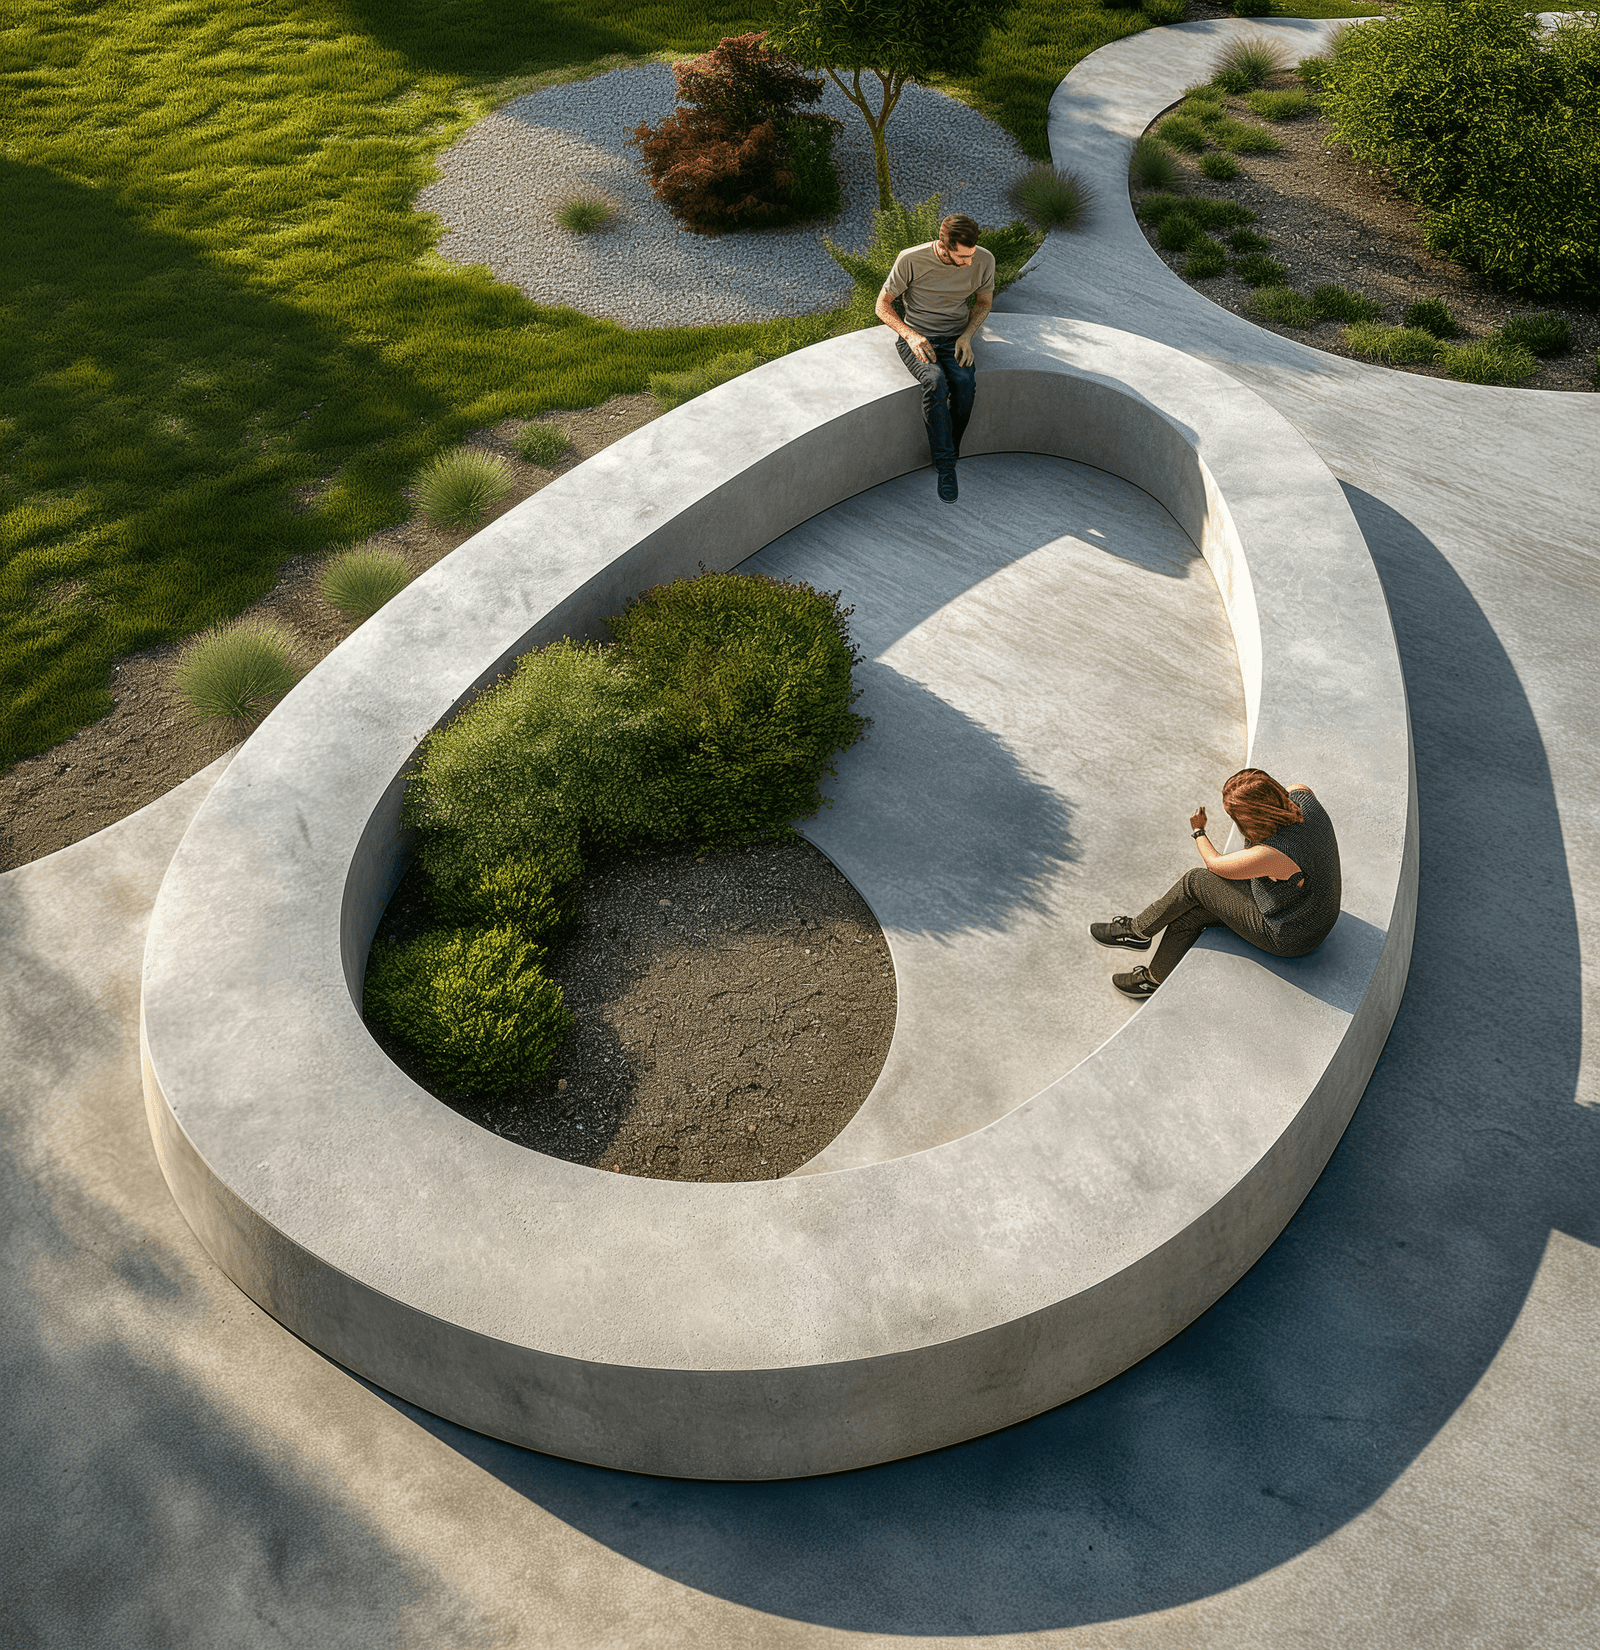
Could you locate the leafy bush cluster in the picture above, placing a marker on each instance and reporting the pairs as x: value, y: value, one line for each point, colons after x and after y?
x: 1491, y: 127
x: 711, y: 720
x: 737, y: 152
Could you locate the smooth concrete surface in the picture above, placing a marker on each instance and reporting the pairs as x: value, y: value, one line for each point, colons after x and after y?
x: 825, y: 1321
x: 1385, y: 1436
x: 1051, y: 680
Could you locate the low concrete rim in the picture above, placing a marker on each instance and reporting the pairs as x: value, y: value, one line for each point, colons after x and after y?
x: 822, y: 1322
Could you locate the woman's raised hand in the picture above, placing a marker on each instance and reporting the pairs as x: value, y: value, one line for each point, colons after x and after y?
x: 1197, y: 820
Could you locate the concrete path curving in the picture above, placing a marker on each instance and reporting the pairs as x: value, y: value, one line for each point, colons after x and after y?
x: 1386, y: 1435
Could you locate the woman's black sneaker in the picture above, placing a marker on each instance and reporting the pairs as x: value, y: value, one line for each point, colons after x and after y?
x: 1137, y: 985
x: 1119, y: 931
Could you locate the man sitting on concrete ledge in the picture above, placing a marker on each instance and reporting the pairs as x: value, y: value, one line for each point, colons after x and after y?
x: 1291, y: 865
x: 933, y: 282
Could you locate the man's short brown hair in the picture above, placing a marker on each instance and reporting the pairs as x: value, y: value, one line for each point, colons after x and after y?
x: 957, y: 230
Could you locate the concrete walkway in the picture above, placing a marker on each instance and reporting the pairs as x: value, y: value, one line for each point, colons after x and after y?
x: 1387, y: 1435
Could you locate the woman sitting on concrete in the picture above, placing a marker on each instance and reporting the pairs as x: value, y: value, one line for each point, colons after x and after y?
x: 1291, y: 867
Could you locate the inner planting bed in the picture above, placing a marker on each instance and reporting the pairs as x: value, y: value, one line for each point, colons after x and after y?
x: 608, y: 830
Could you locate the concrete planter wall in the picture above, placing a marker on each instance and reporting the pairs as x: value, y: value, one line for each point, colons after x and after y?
x: 830, y: 1320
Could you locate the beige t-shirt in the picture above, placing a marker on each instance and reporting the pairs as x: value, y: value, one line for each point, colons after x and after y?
x: 935, y: 292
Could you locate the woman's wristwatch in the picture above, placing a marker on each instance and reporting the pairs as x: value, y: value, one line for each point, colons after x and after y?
x: 1200, y: 832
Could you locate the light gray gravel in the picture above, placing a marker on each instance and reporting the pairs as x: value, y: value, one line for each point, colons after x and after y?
x: 501, y: 183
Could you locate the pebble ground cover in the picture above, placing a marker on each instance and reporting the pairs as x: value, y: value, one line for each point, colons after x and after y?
x: 226, y: 338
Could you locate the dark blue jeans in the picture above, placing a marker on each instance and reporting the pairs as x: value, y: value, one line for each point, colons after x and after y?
x: 947, y: 391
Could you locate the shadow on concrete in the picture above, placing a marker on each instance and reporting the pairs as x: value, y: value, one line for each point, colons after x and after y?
x: 1303, y: 1394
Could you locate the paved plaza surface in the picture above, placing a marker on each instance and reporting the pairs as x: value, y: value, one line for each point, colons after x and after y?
x: 1388, y: 1434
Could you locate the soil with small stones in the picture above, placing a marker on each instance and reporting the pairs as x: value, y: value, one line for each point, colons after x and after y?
x: 149, y: 743
x: 1332, y: 221
x: 733, y: 1011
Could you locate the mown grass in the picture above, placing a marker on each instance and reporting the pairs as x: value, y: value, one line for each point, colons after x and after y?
x: 225, y: 337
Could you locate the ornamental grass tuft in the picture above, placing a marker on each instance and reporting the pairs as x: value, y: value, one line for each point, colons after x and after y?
x: 1241, y: 138
x: 1256, y: 269
x: 1151, y: 165
x: 1431, y: 315
x: 1396, y: 346
x: 1242, y: 65
x: 1206, y: 258
x: 1490, y: 360
x: 1247, y: 240
x: 1279, y: 303
x: 1337, y: 303
x: 543, y: 444
x: 1183, y: 133
x: 356, y: 583
x: 1287, y: 105
x: 1219, y: 167
x: 583, y: 214
x: 1543, y: 334
x: 231, y: 677
x: 1049, y: 198
x: 459, y: 488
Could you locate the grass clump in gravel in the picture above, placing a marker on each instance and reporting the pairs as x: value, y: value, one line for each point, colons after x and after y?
x: 1490, y: 360
x: 459, y: 488
x: 1247, y: 240
x: 1206, y: 258
x: 1543, y: 334
x: 1152, y: 165
x: 1289, y: 105
x: 1239, y: 137
x: 1049, y: 198
x: 231, y: 677
x: 1243, y: 65
x: 542, y: 444
x: 356, y: 583
x: 1337, y: 303
x: 1283, y: 305
x: 1205, y: 109
x: 1432, y: 315
x: 1397, y: 346
x: 1219, y: 167
x: 1256, y: 269
x: 1210, y: 212
x: 583, y: 214
x: 1184, y: 133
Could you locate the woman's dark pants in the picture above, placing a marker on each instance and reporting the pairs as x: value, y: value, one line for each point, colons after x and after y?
x: 947, y: 391
x: 1198, y: 900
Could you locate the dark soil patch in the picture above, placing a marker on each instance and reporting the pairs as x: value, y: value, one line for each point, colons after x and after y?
x: 149, y: 743
x: 1332, y: 221
x: 733, y: 1011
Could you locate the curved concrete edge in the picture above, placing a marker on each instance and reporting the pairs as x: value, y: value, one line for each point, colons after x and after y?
x: 821, y: 1322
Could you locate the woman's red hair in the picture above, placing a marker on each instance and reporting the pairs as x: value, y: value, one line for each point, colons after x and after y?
x: 1258, y: 805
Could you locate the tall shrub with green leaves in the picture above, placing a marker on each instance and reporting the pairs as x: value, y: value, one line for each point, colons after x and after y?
x: 1493, y: 128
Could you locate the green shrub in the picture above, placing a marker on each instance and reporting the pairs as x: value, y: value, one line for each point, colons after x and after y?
x: 1256, y: 269
x: 584, y: 213
x: 1049, y: 198
x: 536, y: 896
x: 1488, y: 361
x: 1206, y: 258
x: 1151, y: 166
x: 458, y: 488
x: 1543, y: 334
x: 1184, y: 133
x: 233, y: 676
x: 1494, y: 132
x: 1398, y: 346
x: 712, y: 720
x: 473, y: 1007
x: 1242, y: 138
x: 1178, y: 232
x: 1252, y: 8
x: 1204, y: 105
x: 542, y: 444
x: 1222, y: 168
x: 1164, y: 11
x: 1247, y: 240
x: 1337, y: 303
x: 1289, y: 105
x: 1431, y: 315
x: 1242, y: 65
x: 815, y: 190
x: 1286, y: 307
x: 358, y: 582
x: 1313, y: 71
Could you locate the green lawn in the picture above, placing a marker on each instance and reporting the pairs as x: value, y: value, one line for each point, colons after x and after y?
x: 224, y: 335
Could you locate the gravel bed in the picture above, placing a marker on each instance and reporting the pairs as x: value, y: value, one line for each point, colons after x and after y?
x: 502, y: 182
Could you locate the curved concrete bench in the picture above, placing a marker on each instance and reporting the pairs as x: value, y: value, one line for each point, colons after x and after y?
x: 819, y: 1322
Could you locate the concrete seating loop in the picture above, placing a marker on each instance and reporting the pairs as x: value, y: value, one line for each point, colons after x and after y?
x: 831, y: 1320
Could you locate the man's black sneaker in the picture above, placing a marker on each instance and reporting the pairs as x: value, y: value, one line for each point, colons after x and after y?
x: 1137, y: 985
x: 948, y: 490
x: 1119, y: 931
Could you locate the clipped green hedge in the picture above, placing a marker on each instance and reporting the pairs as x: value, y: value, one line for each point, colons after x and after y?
x: 473, y: 1007
x: 1491, y: 127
